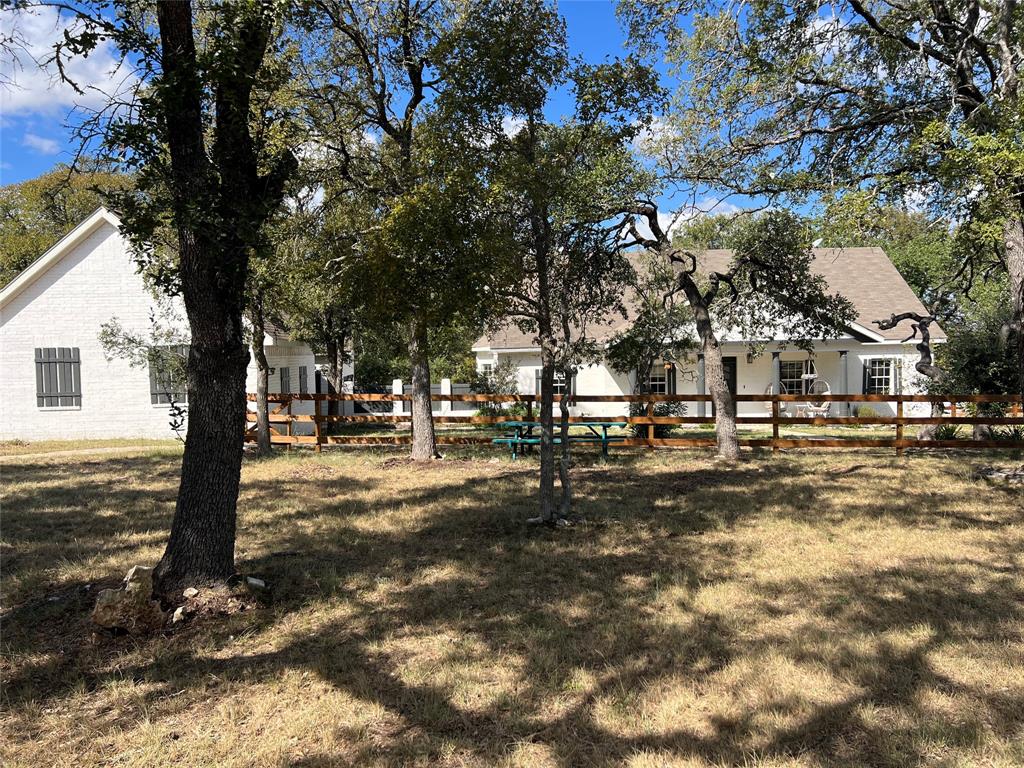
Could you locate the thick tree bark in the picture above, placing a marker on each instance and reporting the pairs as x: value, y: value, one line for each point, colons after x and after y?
x: 714, y: 374
x: 218, y: 217
x: 263, y: 447
x: 424, y: 443
x: 201, y: 546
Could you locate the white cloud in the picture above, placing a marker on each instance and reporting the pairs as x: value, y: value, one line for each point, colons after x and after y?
x: 29, y: 85
x: 654, y: 137
x: 512, y: 125
x: 40, y: 144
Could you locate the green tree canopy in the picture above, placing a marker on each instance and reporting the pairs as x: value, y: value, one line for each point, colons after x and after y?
x: 36, y: 213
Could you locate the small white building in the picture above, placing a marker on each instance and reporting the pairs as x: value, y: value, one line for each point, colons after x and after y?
x: 863, y: 360
x: 57, y: 382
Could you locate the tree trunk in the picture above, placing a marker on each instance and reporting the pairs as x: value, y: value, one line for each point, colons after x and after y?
x: 547, y: 429
x: 218, y: 215
x: 1013, y: 240
x: 201, y: 547
x: 424, y: 443
x: 714, y: 374
x: 565, y: 462
x: 333, y: 377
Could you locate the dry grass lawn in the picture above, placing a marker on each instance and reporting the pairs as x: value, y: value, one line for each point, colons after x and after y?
x: 842, y: 609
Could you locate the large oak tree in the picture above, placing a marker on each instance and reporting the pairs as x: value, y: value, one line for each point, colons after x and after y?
x: 194, y: 135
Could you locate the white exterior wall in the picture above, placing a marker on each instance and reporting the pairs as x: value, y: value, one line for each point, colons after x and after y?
x: 65, y: 306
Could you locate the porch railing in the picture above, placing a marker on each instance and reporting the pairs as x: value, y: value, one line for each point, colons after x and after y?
x: 959, y: 407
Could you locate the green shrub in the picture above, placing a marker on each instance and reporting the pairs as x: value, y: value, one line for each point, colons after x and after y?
x: 946, y: 432
x: 1013, y: 432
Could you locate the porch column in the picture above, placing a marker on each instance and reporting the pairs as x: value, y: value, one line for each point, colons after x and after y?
x: 844, y: 380
x: 776, y: 373
x: 701, y: 388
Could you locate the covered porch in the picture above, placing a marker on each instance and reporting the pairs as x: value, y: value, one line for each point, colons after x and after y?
x: 835, y: 370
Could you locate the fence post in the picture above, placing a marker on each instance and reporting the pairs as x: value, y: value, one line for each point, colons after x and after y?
x: 899, y: 427
x: 446, y: 389
x: 650, y: 427
x: 289, y: 433
x: 316, y: 422
x: 701, y: 388
x: 397, y: 389
x: 775, y: 423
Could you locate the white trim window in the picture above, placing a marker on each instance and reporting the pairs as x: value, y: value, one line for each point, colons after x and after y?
x: 792, y: 375
x: 559, y: 385
x: 881, y: 376
x: 657, y: 382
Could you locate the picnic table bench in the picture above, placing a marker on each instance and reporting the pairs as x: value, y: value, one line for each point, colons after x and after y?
x: 523, y: 435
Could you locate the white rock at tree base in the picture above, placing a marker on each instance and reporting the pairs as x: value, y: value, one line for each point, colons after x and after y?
x: 190, y: 592
x: 132, y: 607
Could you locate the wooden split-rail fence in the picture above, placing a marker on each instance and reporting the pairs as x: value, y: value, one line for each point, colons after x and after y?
x: 957, y: 409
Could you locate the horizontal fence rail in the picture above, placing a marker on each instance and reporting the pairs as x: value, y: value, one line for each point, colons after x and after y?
x: 282, y: 406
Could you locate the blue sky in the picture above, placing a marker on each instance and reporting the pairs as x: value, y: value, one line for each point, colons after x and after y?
x: 33, y: 117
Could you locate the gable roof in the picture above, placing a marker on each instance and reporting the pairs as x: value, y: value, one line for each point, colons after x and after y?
x: 865, y: 276
x: 58, y: 251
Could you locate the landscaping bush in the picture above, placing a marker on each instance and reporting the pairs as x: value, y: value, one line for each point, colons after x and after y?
x: 946, y: 432
x: 500, y: 380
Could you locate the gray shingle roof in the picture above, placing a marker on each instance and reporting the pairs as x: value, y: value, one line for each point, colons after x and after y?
x: 865, y: 276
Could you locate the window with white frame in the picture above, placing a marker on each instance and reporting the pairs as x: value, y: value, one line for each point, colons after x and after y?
x: 880, y: 376
x: 657, y: 382
x: 792, y: 375
x: 559, y: 386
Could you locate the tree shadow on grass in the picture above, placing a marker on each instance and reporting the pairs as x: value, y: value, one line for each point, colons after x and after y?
x: 585, y: 604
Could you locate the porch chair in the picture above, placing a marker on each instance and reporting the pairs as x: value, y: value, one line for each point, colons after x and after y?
x: 814, y: 407
x: 783, y: 406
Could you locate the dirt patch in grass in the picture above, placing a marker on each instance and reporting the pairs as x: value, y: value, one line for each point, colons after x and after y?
x: 808, y: 609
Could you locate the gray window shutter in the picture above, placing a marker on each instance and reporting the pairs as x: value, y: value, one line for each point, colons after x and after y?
x: 537, y: 382
x: 286, y: 380
x: 303, y: 380
x: 58, y: 377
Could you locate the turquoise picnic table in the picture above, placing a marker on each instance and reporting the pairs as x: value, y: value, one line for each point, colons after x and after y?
x: 522, y: 436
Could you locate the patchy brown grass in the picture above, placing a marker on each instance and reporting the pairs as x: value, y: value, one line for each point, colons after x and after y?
x: 821, y: 609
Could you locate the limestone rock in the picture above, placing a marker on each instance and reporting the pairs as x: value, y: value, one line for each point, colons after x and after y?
x: 131, y: 607
x: 190, y: 592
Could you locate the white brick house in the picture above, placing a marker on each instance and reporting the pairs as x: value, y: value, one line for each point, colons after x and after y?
x: 56, y: 381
